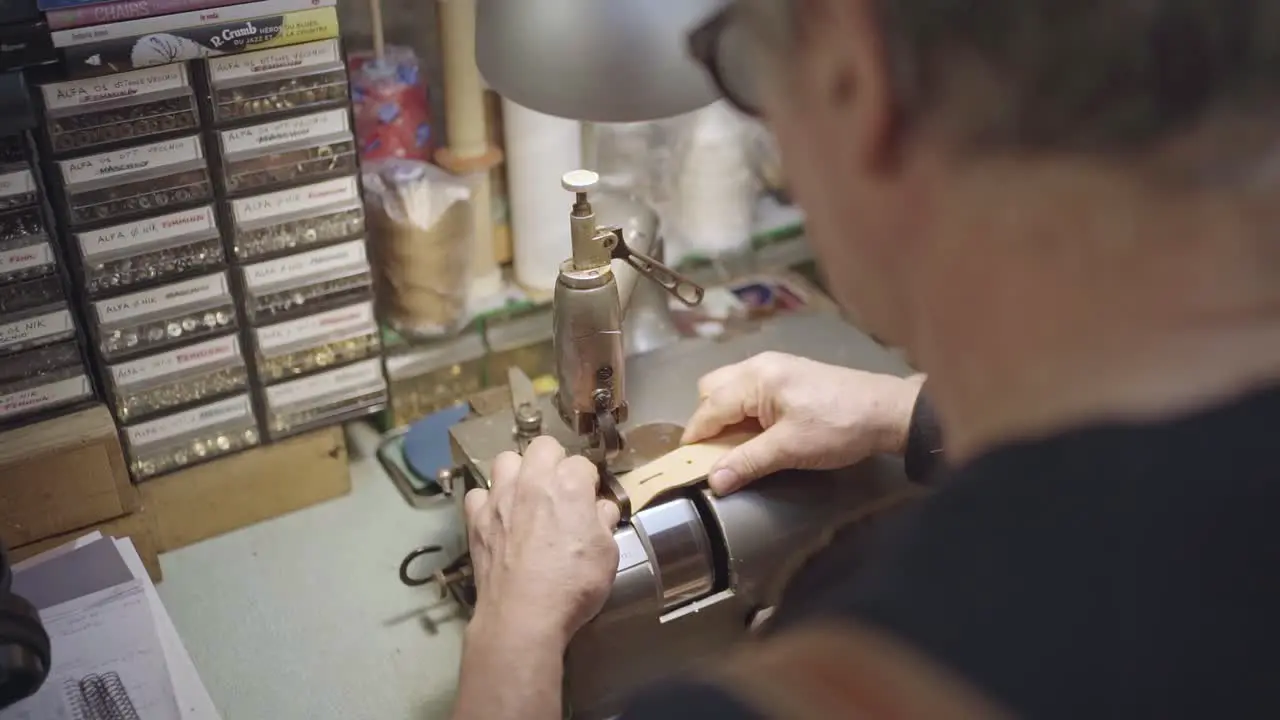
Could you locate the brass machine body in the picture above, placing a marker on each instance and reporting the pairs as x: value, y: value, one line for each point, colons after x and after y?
x: 587, y: 319
x: 587, y: 329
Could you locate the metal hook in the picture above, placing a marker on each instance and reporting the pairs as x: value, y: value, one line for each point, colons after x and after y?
x: 408, y: 560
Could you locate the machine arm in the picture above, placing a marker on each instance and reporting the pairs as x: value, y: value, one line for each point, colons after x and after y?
x: 587, y: 321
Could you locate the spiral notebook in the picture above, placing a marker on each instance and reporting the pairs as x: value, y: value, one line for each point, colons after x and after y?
x: 116, y: 653
x: 99, y: 697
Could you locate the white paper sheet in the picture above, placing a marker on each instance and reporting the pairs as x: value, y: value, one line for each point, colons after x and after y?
x: 193, y: 698
x: 109, y: 631
x: 189, y: 695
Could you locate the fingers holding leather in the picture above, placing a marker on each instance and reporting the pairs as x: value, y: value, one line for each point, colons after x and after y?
x: 725, y: 406
x: 724, y: 397
x: 708, y: 383
x: 609, y: 514
x: 762, y: 455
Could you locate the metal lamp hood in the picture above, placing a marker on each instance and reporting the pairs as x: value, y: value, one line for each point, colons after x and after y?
x: 594, y: 60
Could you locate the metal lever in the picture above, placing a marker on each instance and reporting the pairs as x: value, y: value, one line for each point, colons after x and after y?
x: 679, y: 286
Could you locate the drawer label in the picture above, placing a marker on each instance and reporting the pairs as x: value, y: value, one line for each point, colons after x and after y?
x: 35, y: 398
x: 339, y: 257
x: 309, y: 197
x: 234, y: 67
x: 23, y: 258
x: 170, y: 297
x: 145, y: 232
x: 182, y: 360
x: 331, y: 326
x: 220, y: 413
x: 36, y: 327
x: 119, y: 163
x: 80, y: 93
x: 20, y: 182
x: 308, y: 127
x: 343, y: 383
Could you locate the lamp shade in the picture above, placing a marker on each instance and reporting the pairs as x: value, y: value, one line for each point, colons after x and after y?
x: 594, y: 60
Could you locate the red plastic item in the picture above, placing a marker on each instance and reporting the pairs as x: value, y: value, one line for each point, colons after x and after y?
x: 392, y: 112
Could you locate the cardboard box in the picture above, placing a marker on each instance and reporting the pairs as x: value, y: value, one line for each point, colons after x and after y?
x: 137, y: 527
x: 266, y: 482
x: 61, y: 475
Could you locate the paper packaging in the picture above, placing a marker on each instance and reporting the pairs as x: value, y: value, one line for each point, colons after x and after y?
x: 393, y: 115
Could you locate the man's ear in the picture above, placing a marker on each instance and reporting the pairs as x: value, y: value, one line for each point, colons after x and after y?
x: 844, y: 60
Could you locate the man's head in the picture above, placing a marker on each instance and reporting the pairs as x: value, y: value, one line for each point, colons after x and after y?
x: 886, y: 109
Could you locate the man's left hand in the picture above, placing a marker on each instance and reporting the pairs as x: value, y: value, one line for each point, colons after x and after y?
x: 541, y: 544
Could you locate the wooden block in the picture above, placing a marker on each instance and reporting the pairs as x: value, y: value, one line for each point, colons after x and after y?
x: 60, y: 475
x: 266, y: 482
x: 137, y: 526
x: 686, y: 465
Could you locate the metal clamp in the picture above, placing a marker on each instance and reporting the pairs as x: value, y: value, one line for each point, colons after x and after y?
x: 612, y: 490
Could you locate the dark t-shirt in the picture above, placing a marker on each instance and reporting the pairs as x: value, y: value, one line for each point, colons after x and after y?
x: 1111, y: 572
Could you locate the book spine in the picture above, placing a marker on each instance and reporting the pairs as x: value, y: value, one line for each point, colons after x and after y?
x: 169, y: 23
x: 47, y: 5
x: 111, y: 12
x: 209, y: 40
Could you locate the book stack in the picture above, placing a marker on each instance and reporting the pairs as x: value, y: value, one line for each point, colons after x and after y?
x: 205, y: 175
x: 96, y: 39
x: 24, y: 36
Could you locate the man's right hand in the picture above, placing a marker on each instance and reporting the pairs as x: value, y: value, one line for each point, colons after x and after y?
x: 815, y: 416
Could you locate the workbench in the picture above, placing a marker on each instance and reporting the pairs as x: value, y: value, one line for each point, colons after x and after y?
x: 304, y: 618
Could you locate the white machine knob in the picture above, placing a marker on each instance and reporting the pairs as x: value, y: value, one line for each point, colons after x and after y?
x: 580, y: 181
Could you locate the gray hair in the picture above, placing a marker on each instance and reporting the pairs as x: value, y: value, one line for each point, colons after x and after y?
x: 1093, y: 76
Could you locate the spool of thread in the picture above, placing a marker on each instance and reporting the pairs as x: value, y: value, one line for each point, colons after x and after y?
x: 420, y: 235
x: 468, y: 149
x: 539, y: 149
x: 717, y: 185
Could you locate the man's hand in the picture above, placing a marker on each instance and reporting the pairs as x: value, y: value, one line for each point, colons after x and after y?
x: 815, y: 416
x: 541, y: 544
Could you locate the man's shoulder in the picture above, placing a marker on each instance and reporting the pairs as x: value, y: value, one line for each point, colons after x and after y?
x: 826, y: 669
x: 1060, y: 574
